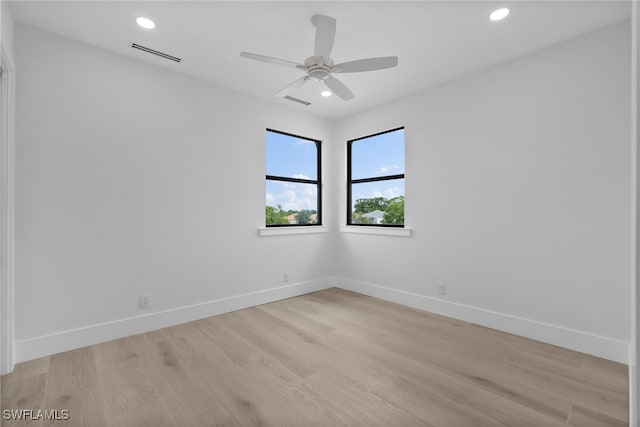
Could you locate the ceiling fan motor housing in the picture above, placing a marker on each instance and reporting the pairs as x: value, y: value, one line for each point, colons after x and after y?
x: 318, y: 68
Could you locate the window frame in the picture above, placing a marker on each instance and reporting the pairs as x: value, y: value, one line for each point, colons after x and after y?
x: 317, y: 181
x: 351, y: 181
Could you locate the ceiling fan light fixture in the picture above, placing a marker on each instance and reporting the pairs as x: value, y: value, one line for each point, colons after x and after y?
x: 319, y: 74
x: 325, y: 93
x: 145, y: 23
x: 499, y: 14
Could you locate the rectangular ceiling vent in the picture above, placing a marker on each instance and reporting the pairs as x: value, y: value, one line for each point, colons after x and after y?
x: 155, y: 52
x: 299, y: 101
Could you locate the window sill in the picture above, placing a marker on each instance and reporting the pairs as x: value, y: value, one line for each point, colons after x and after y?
x: 382, y: 231
x: 283, y: 231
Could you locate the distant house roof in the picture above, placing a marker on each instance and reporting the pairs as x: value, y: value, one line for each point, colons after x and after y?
x: 377, y: 214
x: 293, y: 218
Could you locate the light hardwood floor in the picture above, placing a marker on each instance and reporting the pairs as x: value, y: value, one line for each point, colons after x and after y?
x: 323, y: 359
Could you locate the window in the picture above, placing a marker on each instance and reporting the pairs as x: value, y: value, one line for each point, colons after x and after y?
x: 375, y: 179
x: 293, y: 180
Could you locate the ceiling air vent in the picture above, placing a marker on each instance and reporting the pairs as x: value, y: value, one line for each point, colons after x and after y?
x: 299, y: 101
x: 155, y: 52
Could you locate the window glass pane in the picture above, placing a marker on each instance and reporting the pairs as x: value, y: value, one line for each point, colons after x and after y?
x: 291, y: 157
x: 378, y: 155
x: 379, y: 202
x: 291, y: 203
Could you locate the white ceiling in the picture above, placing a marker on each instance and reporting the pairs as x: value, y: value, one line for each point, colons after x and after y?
x: 435, y: 41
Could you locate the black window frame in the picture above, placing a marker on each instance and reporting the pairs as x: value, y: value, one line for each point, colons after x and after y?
x: 351, y: 181
x: 317, y: 181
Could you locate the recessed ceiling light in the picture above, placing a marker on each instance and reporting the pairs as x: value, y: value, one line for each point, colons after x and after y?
x: 499, y: 14
x: 325, y: 93
x: 145, y: 22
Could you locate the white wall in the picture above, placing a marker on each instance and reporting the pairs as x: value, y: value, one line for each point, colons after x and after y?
x: 135, y: 180
x: 517, y: 186
x: 7, y: 24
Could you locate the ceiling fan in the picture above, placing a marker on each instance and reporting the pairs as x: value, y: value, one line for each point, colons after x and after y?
x: 320, y: 66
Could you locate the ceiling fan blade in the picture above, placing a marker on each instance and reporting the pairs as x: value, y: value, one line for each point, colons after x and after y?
x: 272, y: 60
x: 369, y: 64
x: 338, y: 88
x: 291, y: 86
x: 325, y: 34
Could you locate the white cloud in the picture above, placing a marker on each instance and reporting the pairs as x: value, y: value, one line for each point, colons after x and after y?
x: 294, y: 196
x: 300, y: 141
x: 387, y: 193
x: 390, y: 193
x: 388, y: 169
x: 288, y: 196
x: 270, y: 199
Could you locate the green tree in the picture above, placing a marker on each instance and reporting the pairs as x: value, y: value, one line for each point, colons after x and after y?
x: 394, y: 214
x: 358, y: 218
x: 304, y: 216
x: 369, y: 205
x: 275, y: 215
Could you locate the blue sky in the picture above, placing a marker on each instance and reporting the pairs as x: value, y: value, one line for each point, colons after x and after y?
x: 296, y: 158
x: 378, y: 156
x: 293, y: 158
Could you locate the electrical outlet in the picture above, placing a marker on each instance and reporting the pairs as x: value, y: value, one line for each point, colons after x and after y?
x: 143, y: 301
x: 285, y: 277
x: 442, y: 289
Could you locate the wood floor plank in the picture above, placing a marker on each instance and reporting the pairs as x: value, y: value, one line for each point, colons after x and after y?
x: 84, y: 406
x: 30, y: 368
x: 186, y: 396
x: 586, y: 393
x: 372, y: 409
x: 507, y: 412
x: 471, y: 372
x: 226, y: 384
x: 124, y: 381
x: 23, y: 393
x: 585, y: 417
x: 607, y: 370
x: 268, y: 342
x: 431, y: 406
x: 236, y: 349
x: 285, y: 313
x: 72, y: 385
x: 329, y: 358
x: 73, y: 370
x: 261, y: 391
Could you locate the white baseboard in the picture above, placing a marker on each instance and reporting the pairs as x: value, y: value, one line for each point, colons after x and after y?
x: 58, y: 342
x: 572, y: 339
